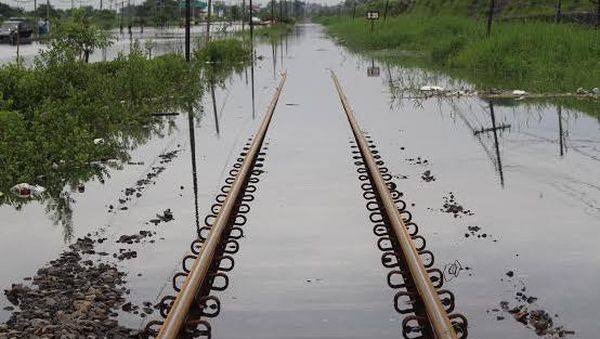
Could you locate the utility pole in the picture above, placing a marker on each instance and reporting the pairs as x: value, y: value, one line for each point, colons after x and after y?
x: 208, y: 14
x: 272, y: 11
x: 48, y: 14
x: 188, y: 13
x: 251, y: 29
x: 100, y: 4
x: 243, y: 15
x: 37, y: 28
x: 354, y: 10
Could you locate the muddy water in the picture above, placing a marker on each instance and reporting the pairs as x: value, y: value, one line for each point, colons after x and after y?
x: 308, y: 265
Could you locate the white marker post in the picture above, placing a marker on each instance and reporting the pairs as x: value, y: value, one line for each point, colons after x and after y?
x: 372, y: 16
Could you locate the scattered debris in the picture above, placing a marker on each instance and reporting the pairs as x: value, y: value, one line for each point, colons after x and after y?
x: 475, y: 232
x: 537, y: 319
x: 452, y: 206
x: 166, y: 216
x: 519, y: 93
x: 99, y: 141
x: 25, y: 190
x: 417, y: 161
x: 429, y: 88
x: 141, y: 184
x: 427, y: 177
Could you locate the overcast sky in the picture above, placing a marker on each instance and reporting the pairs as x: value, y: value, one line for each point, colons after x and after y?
x: 28, y: 4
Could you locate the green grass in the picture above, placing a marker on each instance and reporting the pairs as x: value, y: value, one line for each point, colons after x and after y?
x: 537, y: 57
x: 508, y: 8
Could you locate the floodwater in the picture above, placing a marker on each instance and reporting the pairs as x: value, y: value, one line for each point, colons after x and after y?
x: 164, y: 40
x: 308, y: 266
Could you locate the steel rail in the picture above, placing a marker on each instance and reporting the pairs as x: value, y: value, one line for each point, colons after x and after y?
x: 179, y: 310
x: 436, y: 313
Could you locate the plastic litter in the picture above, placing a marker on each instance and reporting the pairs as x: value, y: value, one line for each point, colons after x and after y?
x: 519, y: 92
x: 25, y: 190
x: 432, y: 88
x: 99, y: 141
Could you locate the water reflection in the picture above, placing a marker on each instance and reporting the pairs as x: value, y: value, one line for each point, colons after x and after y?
x: 494, y: 129
x: 561, y: 133
x: 499, y: 126
x: 274, y: 57
x: 208, y: 304
x: 193, y: 156
x: 214, y: 105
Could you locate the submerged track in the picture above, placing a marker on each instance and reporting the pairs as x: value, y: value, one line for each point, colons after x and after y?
x: 435, y: 322
x: 429, y: 312
x: 185, y: 312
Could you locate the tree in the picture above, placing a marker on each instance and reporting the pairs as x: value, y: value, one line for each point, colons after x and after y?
x: 7, y: 11
x: 76, y: 38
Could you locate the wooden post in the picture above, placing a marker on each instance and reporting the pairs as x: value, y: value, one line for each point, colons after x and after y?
x: 18, y: 47
x: 36, y: 26
x: 490, y: 17
x: 387, y: 4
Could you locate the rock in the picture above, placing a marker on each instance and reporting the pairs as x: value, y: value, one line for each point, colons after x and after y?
x: 521, y: 317
x: 510, y: 274
x: 596, y: 90
x: 127, y: 307
x: 82, y: 306
x: 37, y: 322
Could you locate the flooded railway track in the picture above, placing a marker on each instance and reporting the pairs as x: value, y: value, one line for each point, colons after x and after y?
x: 427, y: 309
x: 217, y: 241
x: 403, y: 248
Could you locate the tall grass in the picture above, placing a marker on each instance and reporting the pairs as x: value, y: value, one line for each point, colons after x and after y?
x: 538, y: 57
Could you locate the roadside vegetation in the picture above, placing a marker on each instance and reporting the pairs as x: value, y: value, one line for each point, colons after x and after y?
x: 535, y: 56
x: 64, y: 121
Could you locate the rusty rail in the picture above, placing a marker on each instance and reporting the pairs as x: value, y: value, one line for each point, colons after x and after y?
x: 435, y: 311
x: 179, y: 310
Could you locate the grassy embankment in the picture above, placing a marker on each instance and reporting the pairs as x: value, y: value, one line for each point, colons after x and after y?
x: 536, y: 57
